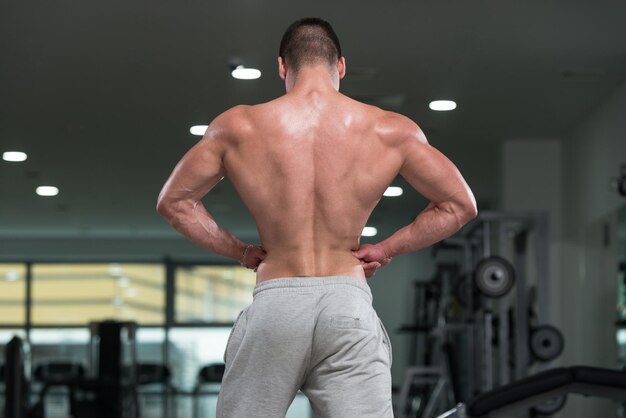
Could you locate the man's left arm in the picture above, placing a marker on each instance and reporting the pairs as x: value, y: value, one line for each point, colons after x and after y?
x: 179, y: 202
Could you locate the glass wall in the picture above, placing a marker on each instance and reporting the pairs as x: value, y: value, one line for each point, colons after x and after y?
x: 183, y: 331
x: 12, y: 294
x: 75, y: 294
x: 212, y: 293
x: 64, y: 297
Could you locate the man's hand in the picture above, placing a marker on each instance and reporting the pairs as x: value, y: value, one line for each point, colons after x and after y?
x: 372, y: 257
x: 253, y: 256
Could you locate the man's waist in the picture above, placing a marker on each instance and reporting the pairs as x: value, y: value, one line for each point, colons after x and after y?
x: 276, y: 266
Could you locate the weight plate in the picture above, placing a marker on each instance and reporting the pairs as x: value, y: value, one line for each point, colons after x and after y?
x: 546, y: 343
x: 550, y: 406
x: 494, y: 276
x: 460, y: 292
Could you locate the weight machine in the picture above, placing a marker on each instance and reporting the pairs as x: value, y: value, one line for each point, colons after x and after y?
x: 108, y: 391
x: 488, y: 328
x: 543, y: 393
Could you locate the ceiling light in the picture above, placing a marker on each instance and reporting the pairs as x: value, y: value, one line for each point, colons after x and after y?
x: 198, y: 130
x: 393, y: 191
x: 47, y: 191
x: 442, y: 105
x: 369, y: 231
x: 14, y: 156
x: 243, y: 73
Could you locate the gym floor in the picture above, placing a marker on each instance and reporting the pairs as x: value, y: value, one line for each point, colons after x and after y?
x: 102, y: 97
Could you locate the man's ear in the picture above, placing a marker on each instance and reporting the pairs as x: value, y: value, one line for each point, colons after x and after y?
x: 282, y: 71
x: 341, y: 67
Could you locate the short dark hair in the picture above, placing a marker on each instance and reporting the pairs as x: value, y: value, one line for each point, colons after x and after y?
x: 309, y: 41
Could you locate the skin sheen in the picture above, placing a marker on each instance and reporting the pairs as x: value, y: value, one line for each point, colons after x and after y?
x: 311, y: 166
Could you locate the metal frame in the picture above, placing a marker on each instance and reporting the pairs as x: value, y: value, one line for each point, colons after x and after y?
x: 506, y: 234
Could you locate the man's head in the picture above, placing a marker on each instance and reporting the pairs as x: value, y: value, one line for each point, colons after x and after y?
x: 309, y: 42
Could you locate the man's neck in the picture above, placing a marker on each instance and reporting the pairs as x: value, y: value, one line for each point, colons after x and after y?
x: 314, y: 78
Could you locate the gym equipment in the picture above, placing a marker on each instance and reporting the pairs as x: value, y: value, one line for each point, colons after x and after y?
x: 62, y: 373
x: 462, y: 287
x: 532, y: 391
x: 432, y: 384
x: 504, y: 273
x: 150, y: 375
x: 486, y: 313
x: 494, y: 276
x: 17, y: 371
x: 426, y: 303
x: 546, y: 343
x: 212, y: 375
x: 550, y: 406
x: 51, y: 375
x: 432, y: 387
x: 108, y: 392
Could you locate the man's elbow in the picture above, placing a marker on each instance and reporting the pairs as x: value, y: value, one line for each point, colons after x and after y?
x: 461, y: 211
x: 164, y: 207
x: 468, y: 211
x: 175, y: 211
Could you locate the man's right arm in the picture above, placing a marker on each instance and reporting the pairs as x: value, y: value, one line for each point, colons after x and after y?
x: 435, y: 177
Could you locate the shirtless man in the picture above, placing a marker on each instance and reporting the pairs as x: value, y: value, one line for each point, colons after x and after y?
x: 311, y: 166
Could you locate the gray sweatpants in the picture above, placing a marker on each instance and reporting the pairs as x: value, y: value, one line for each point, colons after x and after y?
x: 319, y: 335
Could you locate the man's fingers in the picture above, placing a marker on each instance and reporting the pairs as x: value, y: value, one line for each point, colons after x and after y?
x: 363, y: 255
x: 370, y: 271
x: 371, y: 265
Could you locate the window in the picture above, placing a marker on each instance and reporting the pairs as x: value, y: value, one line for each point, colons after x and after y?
x: 212, y: 293
x: 12, y: 294
x: 191, y: 349
x: 75, y: 294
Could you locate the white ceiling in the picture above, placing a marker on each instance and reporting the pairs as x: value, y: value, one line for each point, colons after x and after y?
x: 101, y: 94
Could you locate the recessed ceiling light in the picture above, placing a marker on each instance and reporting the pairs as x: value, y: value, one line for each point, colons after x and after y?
x: 198, y: 130
x: 442, y: 105
x: 369, y: 231
x: 47, y: 191
x: 14, y: 156
x: 393, y: 191
x: 243, y: 73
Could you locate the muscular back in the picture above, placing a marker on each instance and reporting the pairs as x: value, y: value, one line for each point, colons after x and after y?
x: 311, y: 166
x: 310, y: 169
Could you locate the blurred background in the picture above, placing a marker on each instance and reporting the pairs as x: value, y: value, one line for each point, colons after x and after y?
x: 101, y: 98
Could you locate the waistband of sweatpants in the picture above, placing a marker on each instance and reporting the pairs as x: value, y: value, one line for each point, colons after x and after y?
x: 311, y: 283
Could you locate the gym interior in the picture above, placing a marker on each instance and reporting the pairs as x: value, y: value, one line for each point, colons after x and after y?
x: 106, y: 311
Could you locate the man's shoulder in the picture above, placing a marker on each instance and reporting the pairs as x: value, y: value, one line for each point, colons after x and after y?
x: 240, y: 115
x: 235, y: 120
x: 398, y: 128
x: 234, y: 114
